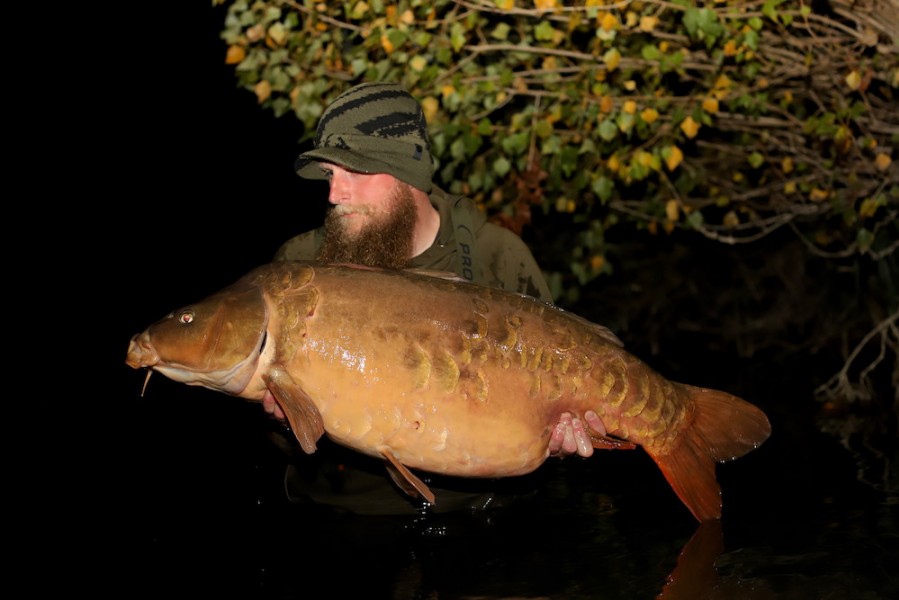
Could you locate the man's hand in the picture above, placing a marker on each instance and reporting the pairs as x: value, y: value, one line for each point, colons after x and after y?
x: 570, y: 436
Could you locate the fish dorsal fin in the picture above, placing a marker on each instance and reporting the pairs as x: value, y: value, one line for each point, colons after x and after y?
x: 301, y: 412
x: 405, y: 479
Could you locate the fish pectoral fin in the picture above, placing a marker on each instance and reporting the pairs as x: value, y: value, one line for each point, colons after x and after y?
x: 604, y: 442
x: 302, y: 414
x: 406, y: 480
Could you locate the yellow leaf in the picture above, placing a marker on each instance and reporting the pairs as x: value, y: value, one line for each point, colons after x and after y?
x: 643, y: 158
x: 597, y: 261
x: 882, y: 162
x: 612, y: 57
x: 723, y: 82
x: 868, y: 208
x: 630, y: 107
x: 505, y: 4
x: 731, y: 219
x: 788, y: 97
x: 663, y: 46
x: 668, y: 226
x: 263, y: 90
x: 710, y: 105
x: 671, y: 210
x: 675, y: 157
x: 630, y: 85
x: 430, y: 105
x: 762, y: 83
x: 447, y: 90
x: 737, y: 177
x: 818, y: 195
x: 613, y: 163
x: 408, y: 17
x: 418, y: 63
x: 256, y: 33
x: 544, y: 3
x: 853, y: 80
x: 359, y: 10
x: 653, y: 227
x: 277, y: 33
x: 787, y: 164
x: 790, y: 187
x: 387, y: 44
x: 631, y: 19
x: 235, y: 54
x: 647, y: 24
x: 730, y: 48
x: 690, y: 127
x: 649, y: 115
x: 608, y: 22
x: 606, y: 104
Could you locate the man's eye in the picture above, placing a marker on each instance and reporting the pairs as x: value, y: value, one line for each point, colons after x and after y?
x: 327, y: 174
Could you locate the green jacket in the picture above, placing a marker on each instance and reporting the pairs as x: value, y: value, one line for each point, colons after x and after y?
x: 500, y: 258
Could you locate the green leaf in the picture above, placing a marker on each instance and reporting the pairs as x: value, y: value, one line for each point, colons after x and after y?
x: 864, y: 238
x: 694, y: 219
x: 603, y: 188
x: 651, y: 52
x: 501, y: 31
x: 502, y: 166
x: 608, y: 130
x: 544, y: 32
x: 756, y: 160
x: 458, y: 36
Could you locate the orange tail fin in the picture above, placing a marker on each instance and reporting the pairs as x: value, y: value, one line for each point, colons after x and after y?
x: 723, y: 427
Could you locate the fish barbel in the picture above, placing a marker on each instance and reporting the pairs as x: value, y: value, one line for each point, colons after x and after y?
x: 433, y: 373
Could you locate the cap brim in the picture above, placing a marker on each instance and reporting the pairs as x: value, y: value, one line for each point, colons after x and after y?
x: 307, y: 165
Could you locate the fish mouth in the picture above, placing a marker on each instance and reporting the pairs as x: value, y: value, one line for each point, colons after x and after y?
x: 141, y: 353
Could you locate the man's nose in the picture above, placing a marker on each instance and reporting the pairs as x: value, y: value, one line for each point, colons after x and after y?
x: 338, y: 190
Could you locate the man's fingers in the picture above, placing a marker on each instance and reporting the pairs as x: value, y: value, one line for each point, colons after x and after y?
x: 594, y: 422
x: 557, y: 438
x: 581, y: 438
x: 569, y: 444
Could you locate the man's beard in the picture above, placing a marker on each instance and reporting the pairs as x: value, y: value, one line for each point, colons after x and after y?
x: 385, y: 242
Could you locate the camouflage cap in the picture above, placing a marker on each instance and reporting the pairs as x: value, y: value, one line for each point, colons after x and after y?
x: 373, y: 128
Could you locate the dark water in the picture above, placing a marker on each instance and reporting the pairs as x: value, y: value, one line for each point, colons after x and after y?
x: 214, y: 521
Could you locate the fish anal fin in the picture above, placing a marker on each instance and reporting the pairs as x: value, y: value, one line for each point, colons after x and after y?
x: 302, y: 414
x: 406, y: 480
x: 722, y: 427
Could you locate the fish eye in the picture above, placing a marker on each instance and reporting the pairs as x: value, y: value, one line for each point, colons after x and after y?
x: 186, y: 317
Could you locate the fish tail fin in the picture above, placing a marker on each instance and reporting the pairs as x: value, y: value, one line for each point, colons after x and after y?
x: 723, y: 427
